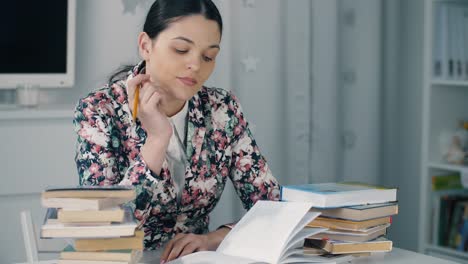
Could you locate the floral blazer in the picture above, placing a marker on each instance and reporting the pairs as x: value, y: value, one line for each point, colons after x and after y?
x: 219, y: 146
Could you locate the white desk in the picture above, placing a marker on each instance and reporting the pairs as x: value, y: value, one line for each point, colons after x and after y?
x: 397, y: 255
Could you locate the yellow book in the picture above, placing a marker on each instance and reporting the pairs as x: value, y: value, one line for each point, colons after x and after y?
x: 341, y: 224
x: 135, y: 242
x: 74, y: 261
x: 122, y: 255
x: 89, y: 216
x: 352, y: 236
x: 52, y: 228
x: 380, y: 244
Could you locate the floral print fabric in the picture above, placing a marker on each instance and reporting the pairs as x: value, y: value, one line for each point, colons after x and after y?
x: 219, y: 146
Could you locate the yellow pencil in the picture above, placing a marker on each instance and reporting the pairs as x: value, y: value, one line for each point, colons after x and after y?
x: 135, y: 102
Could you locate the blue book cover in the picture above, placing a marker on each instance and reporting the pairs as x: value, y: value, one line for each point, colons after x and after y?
x: 335, y: 187
x: 340, y: 194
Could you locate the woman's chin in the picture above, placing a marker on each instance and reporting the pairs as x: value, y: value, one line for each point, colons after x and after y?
x: 186, y: 93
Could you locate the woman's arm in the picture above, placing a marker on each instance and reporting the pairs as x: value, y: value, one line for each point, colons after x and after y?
x: 96, y: 153
x: 100, y: 160
x: 249, y: 170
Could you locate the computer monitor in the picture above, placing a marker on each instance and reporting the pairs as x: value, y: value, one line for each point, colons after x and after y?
x: 37, y: 43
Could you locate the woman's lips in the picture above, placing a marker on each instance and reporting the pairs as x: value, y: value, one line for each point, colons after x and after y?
x: 188, y: 81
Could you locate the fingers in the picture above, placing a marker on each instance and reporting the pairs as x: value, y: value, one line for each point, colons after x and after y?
x: 154, y: 99
x: 188, y: 249
x: 169, y: 246
x: 134, y: 82
x: 147, y: 92
x: 148, y: 99
x: 180, y: 246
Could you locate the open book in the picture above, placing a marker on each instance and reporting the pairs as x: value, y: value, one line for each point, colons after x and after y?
x: 270, y: 232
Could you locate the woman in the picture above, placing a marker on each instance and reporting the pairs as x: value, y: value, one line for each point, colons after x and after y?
x: 178, y: 47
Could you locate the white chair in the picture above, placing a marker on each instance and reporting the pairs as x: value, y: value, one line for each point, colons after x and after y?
x: 29, y: 236
x: 31, y: 242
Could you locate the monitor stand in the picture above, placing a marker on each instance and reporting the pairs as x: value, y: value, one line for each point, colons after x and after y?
x: 27, y: 95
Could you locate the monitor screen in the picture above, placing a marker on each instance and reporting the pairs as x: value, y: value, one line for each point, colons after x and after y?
x: 37, y: 43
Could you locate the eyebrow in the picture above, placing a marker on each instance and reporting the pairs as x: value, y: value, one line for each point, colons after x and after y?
x: 191, y: 42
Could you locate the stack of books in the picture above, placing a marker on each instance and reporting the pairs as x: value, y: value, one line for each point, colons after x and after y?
x: 102, y: 229
x: 356, y: 216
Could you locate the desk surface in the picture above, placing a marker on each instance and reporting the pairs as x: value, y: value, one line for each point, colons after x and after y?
x: 397, y: 255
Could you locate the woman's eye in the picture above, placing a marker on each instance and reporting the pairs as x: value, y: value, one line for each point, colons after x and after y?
x: 207, y: 59
x: 181, y: 51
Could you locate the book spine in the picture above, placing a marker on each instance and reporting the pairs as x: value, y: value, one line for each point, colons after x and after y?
x: 446, y: 182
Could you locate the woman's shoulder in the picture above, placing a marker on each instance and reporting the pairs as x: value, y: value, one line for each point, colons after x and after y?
x: 223, y: 107
x: 105, y: 97
x: 216, y: 96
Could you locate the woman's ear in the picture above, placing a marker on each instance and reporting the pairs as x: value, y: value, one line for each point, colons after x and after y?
x: 144, y: 45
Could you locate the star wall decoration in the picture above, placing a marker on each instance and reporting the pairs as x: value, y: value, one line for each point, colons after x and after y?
x: 131, y: 5
x: 250, y: 63
x: 249, y: 3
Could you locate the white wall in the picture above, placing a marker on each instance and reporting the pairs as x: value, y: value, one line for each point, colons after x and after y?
x: 359, y: 80
x: 346, y: 90
x: 402, y: 105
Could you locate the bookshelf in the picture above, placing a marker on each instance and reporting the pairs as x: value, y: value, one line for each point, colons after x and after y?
x: 445, y: 101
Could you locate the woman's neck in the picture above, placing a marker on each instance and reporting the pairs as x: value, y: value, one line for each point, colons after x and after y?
x: 172, y: 107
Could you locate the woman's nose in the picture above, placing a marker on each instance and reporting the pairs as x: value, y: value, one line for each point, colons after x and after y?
x: 194, y: 64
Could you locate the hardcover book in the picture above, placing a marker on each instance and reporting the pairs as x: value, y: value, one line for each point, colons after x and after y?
x: 98, y: 244
x: 330, y: 195
x: 52, y: 228
x: 79, y: 204
x: 348, y: 224
x: 89, y: 191
x: 380, y: 244
x: 116, y: 214
x: 360, y: 212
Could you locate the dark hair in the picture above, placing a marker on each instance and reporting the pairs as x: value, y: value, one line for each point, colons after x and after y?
x: 163, y: 12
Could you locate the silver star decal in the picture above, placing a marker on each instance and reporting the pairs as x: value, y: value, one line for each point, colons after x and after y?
x: 249, y: 3
x: 250, y: 63
x: 131, y: 5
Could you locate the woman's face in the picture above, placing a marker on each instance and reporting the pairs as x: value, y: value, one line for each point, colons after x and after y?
x: 182, y: 57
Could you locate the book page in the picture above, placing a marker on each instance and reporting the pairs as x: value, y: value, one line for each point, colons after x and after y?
x: 329, y: 259
x: 264, y: 230
x: 306, y: 219
x: 211, y: 257
x: 298, y: 240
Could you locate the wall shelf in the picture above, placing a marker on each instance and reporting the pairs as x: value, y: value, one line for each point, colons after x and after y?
x: 442, y: 82
x: 15, y: 113
x: 447, y: 166
x: 444, y: 105
x: 448, y: 251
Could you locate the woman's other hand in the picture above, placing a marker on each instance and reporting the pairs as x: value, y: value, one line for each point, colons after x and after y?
x: 184, y: 244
